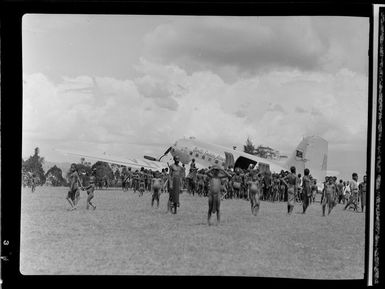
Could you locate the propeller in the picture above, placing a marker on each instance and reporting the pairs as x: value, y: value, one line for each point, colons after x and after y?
x: 166, y: 152
x: 155, y: 159
x: 150, y: 158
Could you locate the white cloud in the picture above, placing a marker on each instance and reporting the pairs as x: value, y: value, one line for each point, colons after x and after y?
x: 111, y: 113
x: 235, y: 47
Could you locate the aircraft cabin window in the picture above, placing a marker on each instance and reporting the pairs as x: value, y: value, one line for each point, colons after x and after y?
x: 216, y: 161
x: 191, y: 153
x: 209, y: 159
x: 196, y: 155
x: 223, y: 164
x: 203, y: 157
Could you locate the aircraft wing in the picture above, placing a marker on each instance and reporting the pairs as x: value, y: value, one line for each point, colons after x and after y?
x: 129, y: 162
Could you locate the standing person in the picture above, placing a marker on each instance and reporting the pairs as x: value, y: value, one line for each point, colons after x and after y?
x: 299, y: 196
x: 74, y: 186
x: 34, y: 182
x: 199, y: 182
x: 346, y: 192
x: 266, y: 185
x: 175, y: 184
x: 282, y: 189
x: 156, y: 187
x: 314, y: 190
x: 323, y: 188
x: 291, y: 182
x: 306, y: 190
x: 215, y: 175
x: 362, y: 188
x: 229, y: 183
x: 340, y: 190
x: 142, y: 181
x: 237, y: 181
x: 329, y: 195
x: 90, y: 190
x: 353, y: 185
x: 254, y: 189
x: 192, y: 177
x: 164, y: 177
x: 183, y: 176
x: 135, y: 181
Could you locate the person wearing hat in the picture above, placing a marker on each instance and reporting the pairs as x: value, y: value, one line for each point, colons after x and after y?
x: 176, y: 172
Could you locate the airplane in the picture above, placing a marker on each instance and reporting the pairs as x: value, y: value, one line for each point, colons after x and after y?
x: 311, y: 153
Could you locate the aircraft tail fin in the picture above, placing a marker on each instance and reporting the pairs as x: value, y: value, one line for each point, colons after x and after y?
x: 311, y: 153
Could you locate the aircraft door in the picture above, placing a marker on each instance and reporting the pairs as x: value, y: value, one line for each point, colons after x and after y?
x: 229, y: 161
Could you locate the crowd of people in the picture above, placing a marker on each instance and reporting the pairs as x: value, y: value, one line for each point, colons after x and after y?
x: 218, y: 184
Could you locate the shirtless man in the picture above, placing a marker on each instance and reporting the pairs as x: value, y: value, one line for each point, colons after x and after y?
x: 314, y: 190
x: 329, y: 195
x: 291, y: 182
x: 156, y: 187
x: 353, y: 185
x: 299, y: 196
x: 237, y: 182
x: 340, y: 190
x: 192, y: 177
x: 175, y: 184
x: 254, y: 188
x: 215, y: 185
x: 362, y: 188
x: 75, y: 185
x: 306, y: 190
x: 183, y: 176
x: 90, y: 190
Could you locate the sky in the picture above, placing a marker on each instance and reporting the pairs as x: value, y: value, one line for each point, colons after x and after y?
x: 130, y: 85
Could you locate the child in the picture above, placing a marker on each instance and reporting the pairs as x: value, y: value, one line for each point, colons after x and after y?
x: 254, y: 193
x: 156, y: 187
x: 215, y: 186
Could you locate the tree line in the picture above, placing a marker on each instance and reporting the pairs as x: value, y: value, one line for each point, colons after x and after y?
x: 32, y: 169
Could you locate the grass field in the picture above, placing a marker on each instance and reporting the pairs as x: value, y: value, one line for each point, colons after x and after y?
x: 125, y: 236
